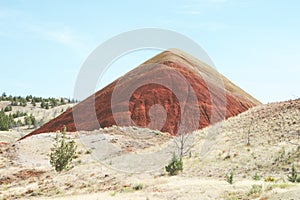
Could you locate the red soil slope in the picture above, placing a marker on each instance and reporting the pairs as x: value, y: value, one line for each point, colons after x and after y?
x: 188, y: 93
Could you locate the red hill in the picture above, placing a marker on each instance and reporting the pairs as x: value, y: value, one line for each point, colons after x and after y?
x: 185, y: 91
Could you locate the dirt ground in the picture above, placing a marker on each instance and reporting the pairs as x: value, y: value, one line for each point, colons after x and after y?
x: 128, y: 162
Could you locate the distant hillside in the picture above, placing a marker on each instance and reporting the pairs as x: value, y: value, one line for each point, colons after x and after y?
x: 30, y: 112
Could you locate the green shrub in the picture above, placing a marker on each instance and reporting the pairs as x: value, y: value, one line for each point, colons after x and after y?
x: 229, y: 177
x: 14, y: 103
x: 62, y: 101
x: 256, y: 177
x: 30, y: 120
x: 43, y: 104
x: 7, y: 109
x: 138, y: 187
x: 89, y: 151
x: 33, y: 102
x: 23, y: 103
x: 19, y: 123
x: 294, y: 176
x: 174, y: 166
x: 63, y: 152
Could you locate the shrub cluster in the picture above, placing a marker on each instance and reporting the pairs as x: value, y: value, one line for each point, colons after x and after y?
x: 6, y: 121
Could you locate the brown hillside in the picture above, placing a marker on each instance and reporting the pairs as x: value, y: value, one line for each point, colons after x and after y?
x: 169, y: 79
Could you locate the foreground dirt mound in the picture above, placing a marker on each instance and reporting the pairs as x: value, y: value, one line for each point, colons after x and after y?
x: 169, y: 91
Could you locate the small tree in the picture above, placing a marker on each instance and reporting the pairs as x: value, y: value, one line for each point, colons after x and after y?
x: 53, y: 102
x: 249, y: 132
x: 174, y: 166
x: 28, y: 121
x: 19, y: 123
x: 33, y: 102
x: 23, y: 102
x: 7, y: 108
x: 4, y: 95
x: 63, y: 152
x: 62, y: 101
x: 33, y: 120
x: 43, y: 104
x: 183, y: 142
x: 14, y: 103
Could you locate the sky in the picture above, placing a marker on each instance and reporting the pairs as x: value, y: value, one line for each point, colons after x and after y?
x: 254, y: 43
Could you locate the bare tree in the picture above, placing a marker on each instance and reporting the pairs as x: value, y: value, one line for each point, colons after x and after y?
x: 184, y: 143
x: 249, y: 132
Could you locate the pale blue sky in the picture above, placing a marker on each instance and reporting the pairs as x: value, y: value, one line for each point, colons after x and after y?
x: 254, y: 43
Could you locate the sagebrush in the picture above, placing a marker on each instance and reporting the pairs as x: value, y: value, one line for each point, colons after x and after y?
x: 174, y: 166
x: 62, y: 152
x: 229, y: 177
x: 294, y: 178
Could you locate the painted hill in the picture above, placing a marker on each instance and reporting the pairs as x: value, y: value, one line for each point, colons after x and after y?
x: 183, y: 89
